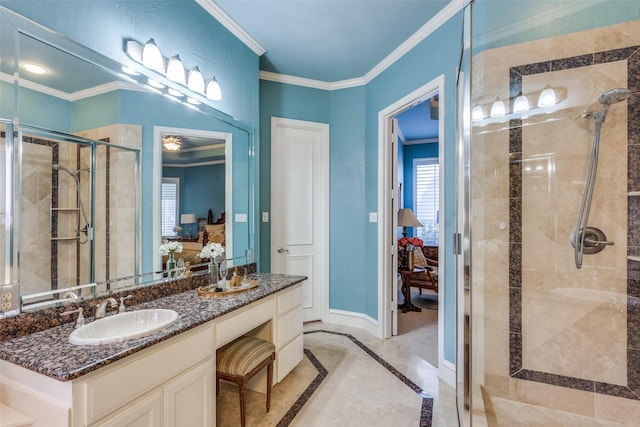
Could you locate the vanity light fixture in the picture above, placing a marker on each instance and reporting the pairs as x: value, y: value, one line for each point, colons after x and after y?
x: 130, y: 71
x: 155, y: 84
x: 521, y: 104
x: 150, y: 56
x: 175, y: 93
x: 497, y: 108
x: 213, y: 91
x: 477, y: 114
x: 195, y: 81
x: 175, y: 70
x: 547, y: 98
x: 34, y: 68
x: 171, y: 143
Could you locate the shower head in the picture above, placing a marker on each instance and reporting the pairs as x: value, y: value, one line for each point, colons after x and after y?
x: 57, y: 166
x: 614, y: 96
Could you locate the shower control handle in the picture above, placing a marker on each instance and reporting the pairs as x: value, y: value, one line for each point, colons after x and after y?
x: 591, y: 242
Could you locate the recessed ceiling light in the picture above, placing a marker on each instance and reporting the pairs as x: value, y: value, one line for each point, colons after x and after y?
x: 34, y: 68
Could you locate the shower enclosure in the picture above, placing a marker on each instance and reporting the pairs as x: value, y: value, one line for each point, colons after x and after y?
x: 78, y: 210
x: 553, y: 336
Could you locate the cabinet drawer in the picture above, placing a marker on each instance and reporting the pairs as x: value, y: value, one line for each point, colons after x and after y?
x: 237, y: 324
x: 289, y: 327
x: 288, y: 358
x: 122, y: 383
x: 290, y: 300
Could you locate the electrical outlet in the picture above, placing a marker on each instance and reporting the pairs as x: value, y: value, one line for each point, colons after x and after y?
x: 9, y: 299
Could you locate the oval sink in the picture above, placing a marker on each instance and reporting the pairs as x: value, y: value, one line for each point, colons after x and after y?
x: 123, y: 326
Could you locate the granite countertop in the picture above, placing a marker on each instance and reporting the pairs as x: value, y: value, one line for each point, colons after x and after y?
x: 49, y: 352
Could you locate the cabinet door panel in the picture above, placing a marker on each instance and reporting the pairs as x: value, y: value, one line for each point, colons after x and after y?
x: 145, y: 413
x: 190, y: 399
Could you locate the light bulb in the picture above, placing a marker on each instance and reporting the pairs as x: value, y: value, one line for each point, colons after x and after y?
x: 214, y: 92
x: 477, y: 114
x: 547, y: 98
x: 151, y: 57
x: 175, y: 70
x: 521, y: 104
x: 195, y: 81
x: 497, y: 109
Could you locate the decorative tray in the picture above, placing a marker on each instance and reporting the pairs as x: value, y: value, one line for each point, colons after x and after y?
x: 210, y: 290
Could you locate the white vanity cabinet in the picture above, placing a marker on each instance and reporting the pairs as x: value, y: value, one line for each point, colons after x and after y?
x: 169, y: 384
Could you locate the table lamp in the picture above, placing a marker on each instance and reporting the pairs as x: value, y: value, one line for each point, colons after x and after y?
x: 406, y: 218
x: 188, y: 219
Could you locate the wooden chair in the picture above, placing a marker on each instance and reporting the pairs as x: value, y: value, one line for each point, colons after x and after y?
x: 240, y: 360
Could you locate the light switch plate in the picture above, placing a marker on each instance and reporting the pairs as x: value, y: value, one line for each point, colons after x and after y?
x: 240, y: 217
x: 265, y: 216
x: 373, y: 216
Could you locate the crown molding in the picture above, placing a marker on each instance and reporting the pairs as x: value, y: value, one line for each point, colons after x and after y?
x: 191, y: 165
x: 104, y: 88
x: 420, y: 141
x: 74, y: 96
x: 231, y: 25
x: 433, y: 24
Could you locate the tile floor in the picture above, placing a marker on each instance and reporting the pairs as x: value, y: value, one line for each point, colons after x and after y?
x: 350, y: 378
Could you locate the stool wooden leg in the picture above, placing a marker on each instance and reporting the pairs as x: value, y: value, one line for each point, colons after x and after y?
x: 269, y: 382
x: 242, y: 407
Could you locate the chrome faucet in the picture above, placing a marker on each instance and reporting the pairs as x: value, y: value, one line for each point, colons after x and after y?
x: 101, y: 310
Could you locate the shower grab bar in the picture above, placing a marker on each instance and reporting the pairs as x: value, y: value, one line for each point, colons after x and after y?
x: 63, y: 238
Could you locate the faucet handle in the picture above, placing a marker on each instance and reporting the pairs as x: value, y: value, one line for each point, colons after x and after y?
x: 79, y: 320
x: 122, y: 308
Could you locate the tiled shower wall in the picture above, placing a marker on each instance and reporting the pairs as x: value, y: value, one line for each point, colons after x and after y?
x: 550, y: 341
x: 66, y: 263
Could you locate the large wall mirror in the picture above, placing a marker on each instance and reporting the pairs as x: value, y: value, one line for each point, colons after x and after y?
x: 81, y: 145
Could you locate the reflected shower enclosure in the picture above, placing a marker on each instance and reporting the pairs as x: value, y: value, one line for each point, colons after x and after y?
x: 78, y: 211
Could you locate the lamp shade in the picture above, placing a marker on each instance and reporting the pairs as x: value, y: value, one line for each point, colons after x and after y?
x: 188, y: 219
x: 406, y: 218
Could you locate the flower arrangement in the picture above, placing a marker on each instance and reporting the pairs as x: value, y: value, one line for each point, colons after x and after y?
x: 169, y: 248
x: 414, y: 241
x: 211, y: 251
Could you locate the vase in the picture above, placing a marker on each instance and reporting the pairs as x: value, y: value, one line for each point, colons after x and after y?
x: 213, y: 271
x: 171, y: 264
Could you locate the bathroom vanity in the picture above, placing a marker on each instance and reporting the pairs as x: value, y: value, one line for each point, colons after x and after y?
x: 164, y: 379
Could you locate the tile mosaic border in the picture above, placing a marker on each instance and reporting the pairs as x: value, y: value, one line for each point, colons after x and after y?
x: 426, y: 412
x: 516, y: 370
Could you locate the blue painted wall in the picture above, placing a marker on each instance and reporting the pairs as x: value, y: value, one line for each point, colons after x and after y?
x: 177, y: 26
x: 353, y: 118
x: 201, y: 189
x: 291, y: 102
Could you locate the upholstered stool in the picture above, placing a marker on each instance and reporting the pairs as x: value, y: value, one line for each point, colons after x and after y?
x: 240, y: 360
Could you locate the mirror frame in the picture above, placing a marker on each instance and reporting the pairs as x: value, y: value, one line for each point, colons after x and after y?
x: 22, y: 25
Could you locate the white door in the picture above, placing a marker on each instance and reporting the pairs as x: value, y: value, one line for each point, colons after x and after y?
x: 393, y: 214
x: 300, y: 208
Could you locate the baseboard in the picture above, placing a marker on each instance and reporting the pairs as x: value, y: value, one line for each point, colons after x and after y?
x: 354, y: 320
x: 447, y: 372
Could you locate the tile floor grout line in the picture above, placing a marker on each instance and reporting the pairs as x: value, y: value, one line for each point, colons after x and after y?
x: 306, y: 395
x: 426, y: 412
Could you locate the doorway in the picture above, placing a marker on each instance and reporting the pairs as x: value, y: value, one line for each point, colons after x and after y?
x: 390, y: 201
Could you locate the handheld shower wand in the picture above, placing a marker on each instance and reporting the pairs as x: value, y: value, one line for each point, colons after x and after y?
x: 584, y: 234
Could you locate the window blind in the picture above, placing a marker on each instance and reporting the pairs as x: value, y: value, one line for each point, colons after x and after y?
x: 426, y: 198
x: 169, y: 205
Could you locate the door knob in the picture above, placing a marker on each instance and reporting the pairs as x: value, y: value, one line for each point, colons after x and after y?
x: 282, y: 250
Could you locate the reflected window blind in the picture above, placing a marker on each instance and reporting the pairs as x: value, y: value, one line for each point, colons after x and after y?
x: 169, y: 205
x: 426, y: 198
